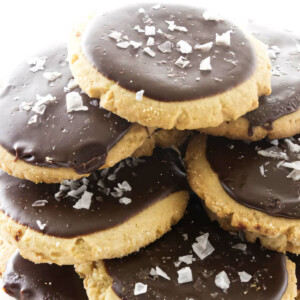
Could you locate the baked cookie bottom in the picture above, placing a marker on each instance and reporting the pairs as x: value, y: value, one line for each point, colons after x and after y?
x: 276, y: 233
x: 135, y: 233
x: 198, y: 113
x: 286, y: 126
x: 130, y: 142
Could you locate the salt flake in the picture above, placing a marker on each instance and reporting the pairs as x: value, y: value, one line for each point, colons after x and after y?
x: 222, y: 281
x: 51, y: 76
x: 185, y: 275
x: 182, y: 62
x: 244, y: 276
x: 223, y: 39
x: 139, y: 95
x: 123, y: 45
x: 140, y: 288
x: 74, y: 102
x: 85, y: 201
x: 40, y: 224
x: 165, y: 47
x: 149, y: 30
x: 149, y: 51
x: 184, y: 47
x: 125, y: 200
x: 204, y: 47
x: 37, y: 63
x: 205, y: 64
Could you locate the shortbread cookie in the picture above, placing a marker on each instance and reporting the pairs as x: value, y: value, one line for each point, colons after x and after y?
x: 253, y: 187
x: 110, y: 214
x: 6, y: 251
x: 25, y: 280
x: 170, y: 67
x: 278, y: 115
x: 296, y: 260
x: 50, y: 130
x: 196, y: 260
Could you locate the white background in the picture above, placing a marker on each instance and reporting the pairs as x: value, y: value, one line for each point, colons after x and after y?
x: 26, y: 26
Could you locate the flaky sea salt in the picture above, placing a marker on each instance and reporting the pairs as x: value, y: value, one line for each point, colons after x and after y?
x: 116, y: 35
x: 51, y: 76
x: 204, y: 47
x: 149, y: 30
x: 125, y: 200
x: 295, y: 148
x: 161, y: 273
x: 39, y: 203
x: 85, y: 201
x: 139, y: 95
x: 185, y: 275
x: 150, y: 41
x: 244, y: 276
x: 273, y: 152
x: 182, y: 62
x: 184, y: 47
x: 223, y: 39
x: 140, y: 288
x: 74, y: 102
x: 37, y: 63
x: 149, y: 51
x: 32, y: 120
x: 41, y: 225
x: 165, y: 47
x: 203, y: 247
x: 188, y: 259
x: 123, y: 45
x: 222, y: 281
x: 205, y: 65
x: 240, y: 246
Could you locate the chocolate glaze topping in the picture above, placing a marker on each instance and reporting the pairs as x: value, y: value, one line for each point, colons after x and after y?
x: 159, y: 76
x: 25, y: 280
x: 151, y: 179
x: 79, y: 139
x: 285, y: 97
x: 254, y: 180
x: 267, y: 268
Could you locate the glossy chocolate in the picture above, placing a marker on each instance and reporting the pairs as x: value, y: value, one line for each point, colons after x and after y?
x: 79, y: 139
x: 151, y: 179
x: 285, y: 97
x: 158, y: 76
x: 267, y: 268
x: 238, y: 166
x: 25, y: 280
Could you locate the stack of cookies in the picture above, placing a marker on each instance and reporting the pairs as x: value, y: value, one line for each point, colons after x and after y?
x: 96, y: 201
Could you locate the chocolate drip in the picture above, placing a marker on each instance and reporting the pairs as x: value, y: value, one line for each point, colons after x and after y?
x: 25, y: 280
x: 158, y: 76
x: 239, y: 168
x: 285, y: 97
x: 267, y: 268
x: 150, y: 178
x: 79, y: 139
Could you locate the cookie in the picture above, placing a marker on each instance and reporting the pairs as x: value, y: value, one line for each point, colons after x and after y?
x: 25, y: 280
x: 251, y: 187
x: 50, y: 130
x: 196, y: 260
x: 296, y: 260
x: 171, y: 67
x: 278, y: 115
x: 110, y: 214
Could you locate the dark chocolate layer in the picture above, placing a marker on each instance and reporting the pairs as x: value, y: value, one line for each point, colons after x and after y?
x: 285, y: 97
x: 267, y: 268
x: 25, y: 280
x: 159, y: 76
x: 79, y: 139
x: 150, y: 179
x: 254, y: 180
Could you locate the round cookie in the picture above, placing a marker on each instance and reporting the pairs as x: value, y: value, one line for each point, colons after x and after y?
x: 278, y: 115
x: 296, y: 260
x: 25, y: 280
x: 193, y: 261
x: 251, y: 187
x: 169, y: 67
x: 110, y: 214
x: 50, y: 130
